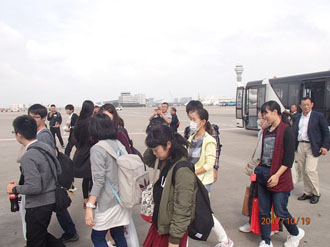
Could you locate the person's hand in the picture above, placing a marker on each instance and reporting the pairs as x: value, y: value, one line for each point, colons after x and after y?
x: 215, y: 175
x: 89, y: 219
x: 272, y: 181
x: 155, y: 111
x: 10, y: 188
x: 172, y: 245
x: 67, y: 130
x: 323, y: 151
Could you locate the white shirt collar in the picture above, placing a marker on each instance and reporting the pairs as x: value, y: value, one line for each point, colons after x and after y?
x: 308, y: 115
x: 30, y: 144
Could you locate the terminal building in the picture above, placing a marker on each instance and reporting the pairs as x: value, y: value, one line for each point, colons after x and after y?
x: 128, y: 100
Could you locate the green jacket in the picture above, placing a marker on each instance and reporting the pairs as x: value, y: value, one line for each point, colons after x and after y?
x: 177, y: 204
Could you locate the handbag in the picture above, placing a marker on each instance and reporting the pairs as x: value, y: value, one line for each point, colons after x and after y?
x: 255, y: 224
x: 130, y: 234
x: 62, y: 198
x: 245, y: 208
x: 147, y: 204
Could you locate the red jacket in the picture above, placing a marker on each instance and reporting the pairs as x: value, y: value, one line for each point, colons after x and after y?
x: 285, y: 181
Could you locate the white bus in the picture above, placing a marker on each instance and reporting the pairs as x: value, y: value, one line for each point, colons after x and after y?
x: 286, y: 91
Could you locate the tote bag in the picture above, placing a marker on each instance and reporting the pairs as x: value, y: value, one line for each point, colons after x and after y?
x: 147, y: 204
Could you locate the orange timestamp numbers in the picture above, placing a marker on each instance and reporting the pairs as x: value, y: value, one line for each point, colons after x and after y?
x: 290, y: 221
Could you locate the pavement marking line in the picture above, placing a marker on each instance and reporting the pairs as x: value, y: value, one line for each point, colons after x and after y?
x: 136, y: 133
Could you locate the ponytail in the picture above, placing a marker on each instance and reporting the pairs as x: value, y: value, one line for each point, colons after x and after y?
x: 208, y: 128
x: 204, y: 115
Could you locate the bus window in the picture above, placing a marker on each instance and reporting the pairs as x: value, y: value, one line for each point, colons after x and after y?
x: 252, y: 101
x: 316, y: 90
x: 294, y: 94
x: 239, y: 103
x: 251, y: 120
x: 261, y: 97
x: 281, y: 89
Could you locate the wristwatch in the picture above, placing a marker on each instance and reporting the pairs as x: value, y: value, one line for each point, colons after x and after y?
x: 90, y: 205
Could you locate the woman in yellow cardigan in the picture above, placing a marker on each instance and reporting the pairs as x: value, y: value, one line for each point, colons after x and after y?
x: 202, y: 152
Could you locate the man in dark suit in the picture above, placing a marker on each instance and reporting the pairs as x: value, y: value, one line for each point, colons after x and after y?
x: 70, y: 127
x: 312, y: 141
x: 293, y: 113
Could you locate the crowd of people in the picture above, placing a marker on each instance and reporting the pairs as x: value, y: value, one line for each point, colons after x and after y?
x: 281, y: 142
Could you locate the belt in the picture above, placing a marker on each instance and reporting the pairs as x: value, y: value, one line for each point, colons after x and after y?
x: 305, y: 141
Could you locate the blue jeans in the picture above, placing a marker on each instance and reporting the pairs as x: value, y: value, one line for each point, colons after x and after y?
x: 65, y: 220
x: 117, y: 233
x: 280, y: 203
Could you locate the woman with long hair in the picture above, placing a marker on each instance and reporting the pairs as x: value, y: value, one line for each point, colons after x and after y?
x: 83, y: 141
x: 174, y: 197
x: 274, y: 175
x: 108, y: 213
x: 202, y: 151
x: 122, y: 136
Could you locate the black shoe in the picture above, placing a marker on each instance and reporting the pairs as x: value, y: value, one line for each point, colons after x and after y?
x: 315, y: 199
x: 304, y: 197
x: 66, y: 237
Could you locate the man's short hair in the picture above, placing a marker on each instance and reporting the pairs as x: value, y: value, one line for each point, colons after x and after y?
x: 52, y: 105
x: 69, y: 107
x: 165, y: 103
x: 306, y: 98
x: 193, y: 105
x: 38, y: 109
x: 26, y: 126
x: 173, y: 108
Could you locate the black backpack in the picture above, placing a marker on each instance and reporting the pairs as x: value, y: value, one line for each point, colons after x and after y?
x: 217, y: 138
x: 202, y: 225
x: 62, y: 199
x: 65, y: 179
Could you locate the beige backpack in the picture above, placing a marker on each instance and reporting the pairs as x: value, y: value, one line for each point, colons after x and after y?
x: 133, y: 176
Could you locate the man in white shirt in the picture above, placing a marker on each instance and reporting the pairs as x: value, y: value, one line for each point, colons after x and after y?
x: 312, y: 141
x: 162, y: 114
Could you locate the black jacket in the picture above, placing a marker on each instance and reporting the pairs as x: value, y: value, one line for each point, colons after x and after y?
x: 318, y: 132
x: 73, y: 121
x: 55, y: 118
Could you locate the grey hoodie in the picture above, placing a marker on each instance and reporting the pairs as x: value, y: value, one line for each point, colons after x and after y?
x: 39, y: 182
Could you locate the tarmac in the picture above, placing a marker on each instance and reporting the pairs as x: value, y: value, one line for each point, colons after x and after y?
x: 226, y: 197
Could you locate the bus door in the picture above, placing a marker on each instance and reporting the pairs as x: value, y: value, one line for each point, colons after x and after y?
x: 315, y: 89
x: 319, y: 92
x: 255, y: 99
x: 239, y: 107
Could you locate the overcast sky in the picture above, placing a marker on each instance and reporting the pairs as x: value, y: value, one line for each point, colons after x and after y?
x: 61, y: 51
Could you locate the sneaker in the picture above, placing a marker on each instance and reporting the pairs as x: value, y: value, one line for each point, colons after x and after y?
x: 263, y: 244
x: 245, y: 228
x: 72, y: 189
x: 293, y: 241
x: 230, y: 243
x: 110, y: 244
x: 66, y: 237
